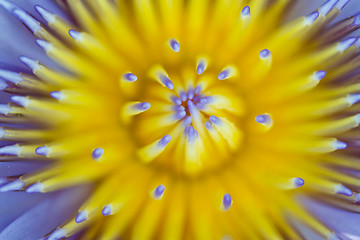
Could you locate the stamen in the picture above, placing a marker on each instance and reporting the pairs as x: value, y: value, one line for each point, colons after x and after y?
x: 158, y: 192
x: 311, y: 18
x: 77, y: 36
x: 215, y: 120
x: 226, y: 202
x: 264, y: 119
x: 333, y: 236
x: 245, y: 12
x: 174, y: 45
x: 49, y: 17
x: 43, y: 150
x: 227, y: 73
x: 35, y: 188
x: 97, y: 154
x: 154, y: 149
x: 20, y: 100
x: 326, y: 7
x: 129, y: 77
x: 15, y: 185
x: 201, y: 66
x: 32, y: 64
x: 345, y: 44
x: 59, y: 233
x: 265, y: 54
x: 198, y: 89
x: 44, y: 44
x: 9, y: 76
x: 207, y: 100
x: 224, y: 74
x: 11, y: 150
x: 183, y: 96
x: 178, y: 108
x: 208, y: 125
x: 176, y: 100
x: 29, y: 21
x: 341, y: 189
x: 191, y: 134
x: 134, y: 108
x: 107, y: 210
x: 166, y: 82
x: 297, y: 182
x: 58, y: 95
x: 190, y: 93
x: 341, y: 4
x: 353, y: 98
x: 82, y: 216
x: 179, y: 115
x: 338, y: 145
x: 319, y: 75
x: 187, y: 121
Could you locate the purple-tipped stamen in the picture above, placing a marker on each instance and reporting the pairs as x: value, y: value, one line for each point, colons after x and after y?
x: 59, y: 233
x: 43, y: 151
x: 298, y: 182
x: 200, y: 69
x: 245, y: 12
x: 49, y: 17
x: 159, y: 191
x: 265, y: 54
x: 345, y: 44
x: 227, y: 201
x: 178, y: 108
x: 208, y: 125
x: 167, y: 82
x: 190, y: 93
x: 35, y: 188
x: 82, y: 216
x: 58, y: 95
x: 191, y: 134
x: 75, y: 35
x: 341, y: 189
x: 183, y: 96
x: 164, y: 141
x: 263, y: 119
x: 15, y: 185
x: 129, y: 77
x: 215, y: 120
x: 187, y: 121
x: 174, y: 44
x: 179, y: 115
x: 97, y: 153
x: 339, y: 145
x: 107, y: 210
x: 319, y: 75
x: 311, y: 18
x: 224, y: 74
x: 143, y: 106
x: 206, y: 100
x: 197, y: 89
x: 176, y: 100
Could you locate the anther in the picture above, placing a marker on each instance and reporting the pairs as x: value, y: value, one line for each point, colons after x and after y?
x: 190, y: 93
x: 158, y: 192
x: 226, y: 202
x: 345, y: 44
x: 176, y: 100
x: 43, y: 150
x: 29, y: 21
x: 82, y: 216
x: 77, y: 36
x: 319, y: 75
x: 58, y: 95
x: 311, y: 18
x: 129, y: 77
x: 166, y: 81
x: 174, y: 45
x: 297, y: 182
x: 338, y: 145
x: 265, y: 54
x: 97, y: 153
x: 201, y: 67
x: 224, y: 74
x: 107, y: 210
x: 179, y: 115
x: 35, y: 188
x: 59, y: 233
x: 264, y: 119
x: 245, y: 12
x: 341, y: 189
x: 49, y: 17
x: 15, y: 185
x: 9, y: 76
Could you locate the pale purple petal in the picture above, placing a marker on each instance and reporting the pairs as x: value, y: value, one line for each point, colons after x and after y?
x: 46, y: 215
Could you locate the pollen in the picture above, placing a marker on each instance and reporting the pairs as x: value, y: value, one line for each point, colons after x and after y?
x: 198, y: 119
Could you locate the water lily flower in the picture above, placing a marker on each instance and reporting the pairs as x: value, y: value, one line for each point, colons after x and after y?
x: 175, y: 119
